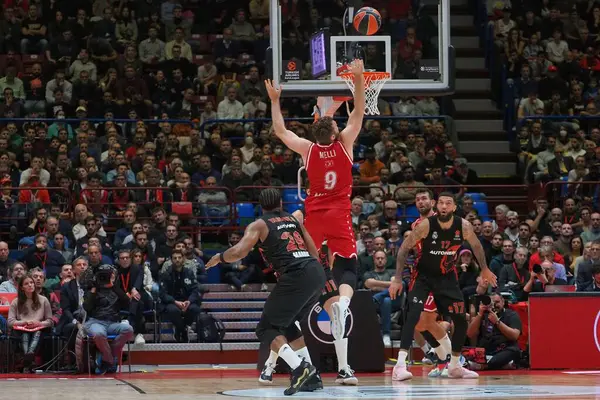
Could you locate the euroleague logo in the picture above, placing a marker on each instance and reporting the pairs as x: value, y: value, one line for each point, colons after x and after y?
x: 319, y: 324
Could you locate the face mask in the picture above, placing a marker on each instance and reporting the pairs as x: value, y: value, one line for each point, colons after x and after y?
x: 563, y: 134
x: 249, y: 140
x: 60, y: 117
x: 278, y: 152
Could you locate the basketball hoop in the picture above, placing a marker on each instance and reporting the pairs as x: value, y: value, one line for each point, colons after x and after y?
x: 374, y: 82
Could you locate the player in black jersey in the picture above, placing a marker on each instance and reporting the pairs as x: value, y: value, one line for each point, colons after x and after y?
x: 441, y: 237
x: 287, y: 246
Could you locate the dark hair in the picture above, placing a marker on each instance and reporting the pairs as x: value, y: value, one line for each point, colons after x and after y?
x: 596, y: 268
x: 424, y: 190
x: 270, y: 199
x: 447, y: 194
x: 22, y: 297
x: 323, y: 129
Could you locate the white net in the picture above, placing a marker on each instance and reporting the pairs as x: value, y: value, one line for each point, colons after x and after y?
x: 374, y: 81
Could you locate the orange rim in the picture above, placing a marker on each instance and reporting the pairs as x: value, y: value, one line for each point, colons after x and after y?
x: 369, y: 76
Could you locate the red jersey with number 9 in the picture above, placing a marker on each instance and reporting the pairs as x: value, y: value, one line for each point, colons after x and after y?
x: 329, y: 169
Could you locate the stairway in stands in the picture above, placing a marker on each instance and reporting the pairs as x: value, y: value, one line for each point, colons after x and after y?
x: 239, y: 312
x: 478, y: 122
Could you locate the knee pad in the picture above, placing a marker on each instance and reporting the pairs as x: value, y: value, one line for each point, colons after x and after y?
x: 330, y: 290
x: 344, y: 271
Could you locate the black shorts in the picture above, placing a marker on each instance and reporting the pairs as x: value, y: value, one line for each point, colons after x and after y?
x: 294, y: 296
x: 445, y: 289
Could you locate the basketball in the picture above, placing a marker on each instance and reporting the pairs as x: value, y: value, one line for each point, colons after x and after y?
x: 367, y: 21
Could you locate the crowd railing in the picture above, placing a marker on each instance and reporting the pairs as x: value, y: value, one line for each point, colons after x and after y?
x: 217, y: 208
x: 414, y: 119
x: 585, y: 192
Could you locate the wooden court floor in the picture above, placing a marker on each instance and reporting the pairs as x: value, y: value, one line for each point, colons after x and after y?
x: 237, y: 383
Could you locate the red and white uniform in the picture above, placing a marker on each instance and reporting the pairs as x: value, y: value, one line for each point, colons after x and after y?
x: 429, y: 305
x: 329, y: 169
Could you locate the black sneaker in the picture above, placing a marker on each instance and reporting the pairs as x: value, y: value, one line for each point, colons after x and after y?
x: 431, y: 358
x: 300, y: 377
x: 346, y: 377
x: 314, y: 383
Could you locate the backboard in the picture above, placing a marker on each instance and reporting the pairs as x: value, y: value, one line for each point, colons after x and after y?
x: 335, y: 43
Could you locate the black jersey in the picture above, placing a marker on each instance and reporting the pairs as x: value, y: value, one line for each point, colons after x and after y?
x: 440, y: 248
x: 284, y: 248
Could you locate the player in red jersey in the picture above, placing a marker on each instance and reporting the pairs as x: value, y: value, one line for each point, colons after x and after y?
x: 328, y: 163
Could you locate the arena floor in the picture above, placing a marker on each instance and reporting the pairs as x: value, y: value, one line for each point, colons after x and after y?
x: 228, y: 383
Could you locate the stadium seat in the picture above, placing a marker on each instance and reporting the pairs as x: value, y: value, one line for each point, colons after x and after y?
x: 245, y: 213
x: 476, y: 196
x: 410, y: 214
x: 291, y: 202
x: 482, y: 209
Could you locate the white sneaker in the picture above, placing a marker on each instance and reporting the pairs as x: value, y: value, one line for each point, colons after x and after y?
x: 264, y: 287
x: 346, y: 377
x: 458, y: 372
x: 400, y: 373
x: 139, y: 340
x: 435, y: 372
x: 444, y: 373
x: 125, y: 321
x: 338, y: 320
x: 387, y: 341
x: 266, y: 376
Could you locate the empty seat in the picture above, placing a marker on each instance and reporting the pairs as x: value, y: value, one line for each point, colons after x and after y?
x: 245, y: 213
x: 291, y: 201
x: 482, y: 209
x: 476, y: 196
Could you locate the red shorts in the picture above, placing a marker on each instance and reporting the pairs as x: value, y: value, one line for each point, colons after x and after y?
x: 335, y: 226
x: 430, y: 305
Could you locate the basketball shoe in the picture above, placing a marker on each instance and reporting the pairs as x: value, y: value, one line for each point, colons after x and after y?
x: 300, y: 377
x: 346, y: 377
x: 314, y: 383
x: 338, y: 320
x: 460, y: 372
x: 266, y: 376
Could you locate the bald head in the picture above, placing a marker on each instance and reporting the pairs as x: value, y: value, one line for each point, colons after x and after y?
x: 4, y: 251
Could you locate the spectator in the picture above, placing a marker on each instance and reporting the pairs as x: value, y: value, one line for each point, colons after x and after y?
x: 539, y: 279
x: 39, y: 255
x: 180, y: 297
x: 500, y: 262
x: 584, y: 275
x: 11, y: 81
x: 496, y: 329
x: 29, y: 314
x: 16, y: 271
x: 592, y: 234
x: 33, y: 32
x: 103, y: 301
x: 514, y: 277
x: 131, y: 277
x: 231, y: 108
x: 378, y: 282
x: 594, y: 286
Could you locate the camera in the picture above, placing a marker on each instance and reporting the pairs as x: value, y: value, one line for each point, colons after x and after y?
x: 485, y: 300
x: 537, y: 269
x: 103, y: 275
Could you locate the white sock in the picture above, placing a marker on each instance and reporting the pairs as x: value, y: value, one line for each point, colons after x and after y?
x: 345, y: 301
x: 272, y: 360
x: 445, y: 344
x: 303, y: 353
x: 402, y: 356
x: 426, y: 348
x: 289, y: 356
x: 454, y: 361
x: 341, y: 350
x: 440, y: 352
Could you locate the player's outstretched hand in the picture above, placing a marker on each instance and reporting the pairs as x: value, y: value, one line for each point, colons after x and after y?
x: 395, y: 289
x: 274, y: 92
x: 216, y: 259
x: 488, y: 275
x: 357, y: 67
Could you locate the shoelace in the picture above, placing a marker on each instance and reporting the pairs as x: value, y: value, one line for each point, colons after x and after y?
x: 349, y: 370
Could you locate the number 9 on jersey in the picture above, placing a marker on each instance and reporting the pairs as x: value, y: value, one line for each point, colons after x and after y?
x: 330, y: 180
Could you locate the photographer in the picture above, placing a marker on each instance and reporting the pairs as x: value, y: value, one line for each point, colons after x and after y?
x: 180, y: 296
x: 515, y: 276
x: 543, y: 275
x: 102, y: 303
x: 497, y: 330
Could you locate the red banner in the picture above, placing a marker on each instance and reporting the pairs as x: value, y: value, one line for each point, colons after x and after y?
x: 564, y: 330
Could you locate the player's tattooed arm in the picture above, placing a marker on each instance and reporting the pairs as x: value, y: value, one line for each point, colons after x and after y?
x: 419, y: 233
x: 471, y: 238
x: 254, y: 232
x: 289, y: 138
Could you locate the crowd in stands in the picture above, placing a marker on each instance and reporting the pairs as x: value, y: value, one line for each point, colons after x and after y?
x: 552, y: 62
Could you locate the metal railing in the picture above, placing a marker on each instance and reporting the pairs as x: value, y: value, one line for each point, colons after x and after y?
x: 585, y: 192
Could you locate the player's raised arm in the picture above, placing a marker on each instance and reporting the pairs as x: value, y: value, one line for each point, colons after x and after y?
x: 355, y: 120
x: 289, y: 138
x: 470, y: 236
x: 252, y: 235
